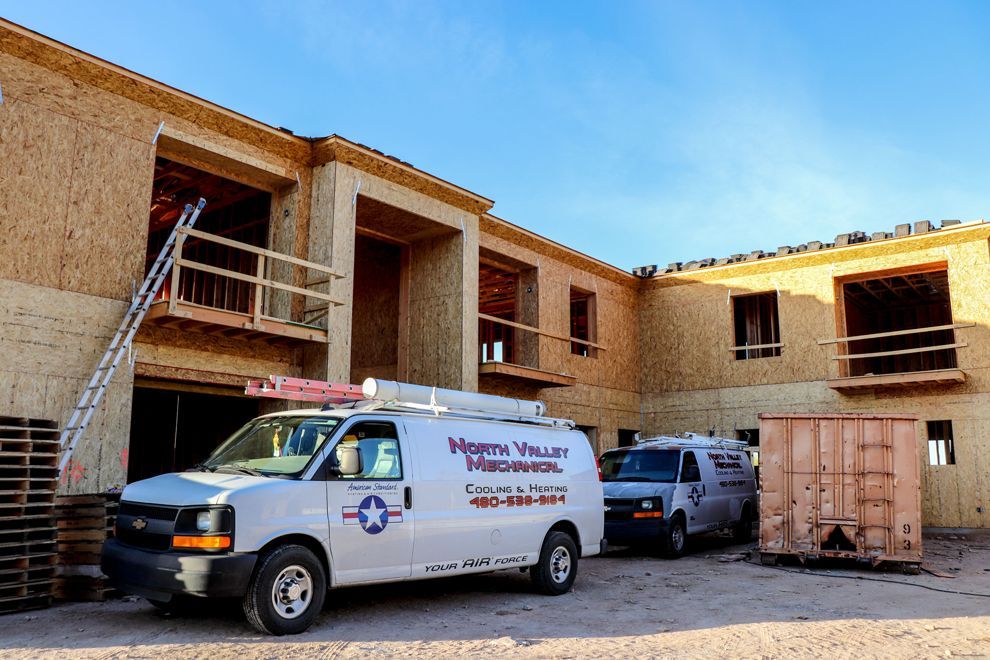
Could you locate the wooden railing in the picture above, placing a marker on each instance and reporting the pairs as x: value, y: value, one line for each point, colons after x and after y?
x: 259, y: 280
x: 948, y: 348
x: 539, y: 331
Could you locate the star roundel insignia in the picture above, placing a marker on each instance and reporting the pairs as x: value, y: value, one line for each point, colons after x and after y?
x: 373, y: 514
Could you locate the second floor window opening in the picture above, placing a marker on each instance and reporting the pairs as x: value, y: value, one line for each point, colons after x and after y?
x: 756, y: 323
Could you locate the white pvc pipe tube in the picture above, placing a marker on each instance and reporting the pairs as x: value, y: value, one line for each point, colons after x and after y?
x: 389, y: 390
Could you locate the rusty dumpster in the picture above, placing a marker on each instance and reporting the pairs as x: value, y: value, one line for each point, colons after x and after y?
x: 840, y: 485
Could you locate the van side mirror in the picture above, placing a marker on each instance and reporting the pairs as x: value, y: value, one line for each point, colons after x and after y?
x: 348, y: 461
x: 690, y: 473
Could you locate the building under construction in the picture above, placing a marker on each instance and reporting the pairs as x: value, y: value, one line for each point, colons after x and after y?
x: 325, y: 259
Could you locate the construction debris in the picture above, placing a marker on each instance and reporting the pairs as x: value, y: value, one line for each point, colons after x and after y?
x: 842, y: 240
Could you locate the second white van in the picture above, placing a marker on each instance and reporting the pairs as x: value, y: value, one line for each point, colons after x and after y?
x: 662, y: 490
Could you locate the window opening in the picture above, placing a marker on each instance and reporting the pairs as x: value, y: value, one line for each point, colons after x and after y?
x: 941, y: 450
x: 756, y: 323
x: 583, y: 322
x: 890, y: 304
x: 627, y: 437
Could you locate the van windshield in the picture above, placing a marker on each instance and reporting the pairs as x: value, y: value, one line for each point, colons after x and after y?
x: 271, y: 446
x: 656, y: 465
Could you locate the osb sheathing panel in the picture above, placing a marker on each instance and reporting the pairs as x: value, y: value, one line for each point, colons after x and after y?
x: 436, y: 311
x: 110, y: 192
x: 108, y: 78
x: 403, y: 197
x: 401, y: 177
x: 687, y: 329
x: 950, y: 493
x: 36, y: 158
x: 91, y: 157
x: 50, y: 343
x: 287, y: 234
x: 50, y: 89
x: 330, y: 242
x: 204, y: 355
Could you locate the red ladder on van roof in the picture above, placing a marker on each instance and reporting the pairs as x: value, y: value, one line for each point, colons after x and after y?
x: 304, y: 389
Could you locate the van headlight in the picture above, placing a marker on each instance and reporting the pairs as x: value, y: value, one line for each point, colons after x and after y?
x: 204, y: 521
x: 649, y: 508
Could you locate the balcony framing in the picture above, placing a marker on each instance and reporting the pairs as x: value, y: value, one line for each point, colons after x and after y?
x: 253, y: 324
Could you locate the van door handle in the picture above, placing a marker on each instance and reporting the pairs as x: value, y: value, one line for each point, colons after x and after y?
x: 408, y: 497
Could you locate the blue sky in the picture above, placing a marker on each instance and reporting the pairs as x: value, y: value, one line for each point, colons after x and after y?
x: 638, y: 132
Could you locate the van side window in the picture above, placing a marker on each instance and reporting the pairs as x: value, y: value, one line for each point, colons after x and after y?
x: 379, y: 445
x: 690, y: 471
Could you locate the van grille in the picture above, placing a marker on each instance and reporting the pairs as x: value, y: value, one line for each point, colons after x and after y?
x: 146, y: 525
x: 619, y: 509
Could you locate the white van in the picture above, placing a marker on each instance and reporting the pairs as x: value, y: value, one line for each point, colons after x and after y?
x: 664, y: 489
x: 300, y: 501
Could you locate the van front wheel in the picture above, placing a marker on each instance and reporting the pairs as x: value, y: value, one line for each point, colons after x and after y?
x: 287, y: 591
x: 675, y: 541
x: 557, y: 568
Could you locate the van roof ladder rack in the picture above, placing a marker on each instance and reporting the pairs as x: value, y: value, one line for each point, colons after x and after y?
x: 695, y: 440
x: 404, y: 397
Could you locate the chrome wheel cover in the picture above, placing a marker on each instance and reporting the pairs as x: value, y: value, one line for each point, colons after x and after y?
x: 292, y: 591
x: 560, y: 564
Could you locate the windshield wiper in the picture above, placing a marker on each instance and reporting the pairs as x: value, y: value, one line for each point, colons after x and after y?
x: 239, y: 469
x: 201, y: 467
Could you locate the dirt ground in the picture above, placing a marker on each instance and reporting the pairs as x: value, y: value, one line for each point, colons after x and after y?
x: 625, y: 604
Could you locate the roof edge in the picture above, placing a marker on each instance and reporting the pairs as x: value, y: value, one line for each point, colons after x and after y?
x: 563, y: 252
x: 778, y: 260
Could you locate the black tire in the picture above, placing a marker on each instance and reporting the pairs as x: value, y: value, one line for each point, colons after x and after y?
x: 911, y: 569
x: 768, y: 559
x: 675, y: 540
x: 284, y: 568
x: 742, y: 531
x: 555, y: 573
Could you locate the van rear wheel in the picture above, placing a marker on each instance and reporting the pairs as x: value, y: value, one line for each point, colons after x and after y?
x: 287, y: 591
x: 557, y: 568
x: 742, y: 532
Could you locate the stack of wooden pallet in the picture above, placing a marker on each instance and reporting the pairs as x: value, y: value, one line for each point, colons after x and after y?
x: 84, y: 522
x: 28, y: 478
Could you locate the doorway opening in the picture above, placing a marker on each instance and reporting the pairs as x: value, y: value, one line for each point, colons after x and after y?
x: 174, y: 429
x: 376, y: 309
x: 233, y: 211
x: 496, y: 297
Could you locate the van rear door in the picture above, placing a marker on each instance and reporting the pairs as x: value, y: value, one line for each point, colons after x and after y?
x: 371, y: 530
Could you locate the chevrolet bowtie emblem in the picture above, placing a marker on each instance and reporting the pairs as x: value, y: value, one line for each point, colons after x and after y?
x: 608, y: 508
x: 139, y: 523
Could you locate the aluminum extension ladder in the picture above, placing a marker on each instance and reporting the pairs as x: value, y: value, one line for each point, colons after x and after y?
x: 121, y: 342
